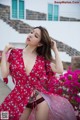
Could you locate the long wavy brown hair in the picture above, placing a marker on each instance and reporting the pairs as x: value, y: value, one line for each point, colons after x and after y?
x: 45, y: 49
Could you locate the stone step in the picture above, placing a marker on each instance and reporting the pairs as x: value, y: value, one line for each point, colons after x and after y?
x: 4, y: 91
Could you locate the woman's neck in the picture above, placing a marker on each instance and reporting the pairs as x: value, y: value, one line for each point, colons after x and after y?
x: 30, y: 49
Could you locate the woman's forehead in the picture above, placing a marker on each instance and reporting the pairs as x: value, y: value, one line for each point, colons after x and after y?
x: 37, y: 31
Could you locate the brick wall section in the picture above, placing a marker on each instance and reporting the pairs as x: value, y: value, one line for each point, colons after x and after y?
x: 16, y: 24
x: 75, y: 62
x: 66, y: 48
x: 33, y: 15
x: 66, y: 65
x: 68, y: 19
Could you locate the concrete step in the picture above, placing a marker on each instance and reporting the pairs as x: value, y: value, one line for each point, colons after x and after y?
x: 4, y: 91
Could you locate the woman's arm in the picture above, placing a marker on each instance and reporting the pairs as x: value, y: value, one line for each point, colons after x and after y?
x: 4, y: 62
x: 4, y: 65
x: 58, y: 66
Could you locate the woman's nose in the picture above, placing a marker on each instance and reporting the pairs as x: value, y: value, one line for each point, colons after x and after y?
x: 30, y: 35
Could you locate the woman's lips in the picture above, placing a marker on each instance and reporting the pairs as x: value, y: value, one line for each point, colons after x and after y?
x: 28, y: 39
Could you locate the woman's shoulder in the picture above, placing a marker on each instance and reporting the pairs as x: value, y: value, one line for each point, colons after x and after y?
x: 42, y: 58
x: 16, y: 50
x: 13, y: 53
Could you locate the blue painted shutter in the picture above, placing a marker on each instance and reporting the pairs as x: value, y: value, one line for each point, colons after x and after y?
x: 21, y: 9
x: 50, y: 11
x: 56, y: 12
x: 14, y: 8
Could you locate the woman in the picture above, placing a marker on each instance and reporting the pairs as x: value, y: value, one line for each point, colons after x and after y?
x: 32, y: 68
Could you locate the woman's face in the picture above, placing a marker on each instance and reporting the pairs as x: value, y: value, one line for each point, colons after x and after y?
x: 34, y: 37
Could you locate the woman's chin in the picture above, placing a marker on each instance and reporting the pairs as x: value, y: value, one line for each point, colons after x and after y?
x: 27, y: 43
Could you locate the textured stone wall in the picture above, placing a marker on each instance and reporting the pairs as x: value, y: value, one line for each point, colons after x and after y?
x: 66, y: 48
x: 16, y: 24
x: 68, y: 19
x: 66, y: 65
x: 33, y: 15
x: 75, y: 62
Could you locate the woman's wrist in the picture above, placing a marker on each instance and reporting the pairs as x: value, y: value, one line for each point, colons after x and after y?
x: 4, y: 52
x: 55, y: 50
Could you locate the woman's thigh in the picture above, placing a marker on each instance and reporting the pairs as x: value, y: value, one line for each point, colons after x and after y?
x: 26, y: 113
x: 42, y: 111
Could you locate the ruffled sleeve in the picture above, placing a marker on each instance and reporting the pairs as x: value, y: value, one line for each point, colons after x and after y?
x: 9, y: 59
x: 49, y: 71
x: 53, y: 84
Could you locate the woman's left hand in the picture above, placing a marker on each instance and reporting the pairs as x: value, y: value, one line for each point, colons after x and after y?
x: 53, y: 45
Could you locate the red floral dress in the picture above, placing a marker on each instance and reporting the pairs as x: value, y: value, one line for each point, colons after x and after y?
x: 38, y: 79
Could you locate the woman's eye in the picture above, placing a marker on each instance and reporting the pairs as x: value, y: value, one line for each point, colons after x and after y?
x: 31, y: 32
x: 36, y: 36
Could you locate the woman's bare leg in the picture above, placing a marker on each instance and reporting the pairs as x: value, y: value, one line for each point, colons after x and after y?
x: 42, y: 111
x: 25, y: 114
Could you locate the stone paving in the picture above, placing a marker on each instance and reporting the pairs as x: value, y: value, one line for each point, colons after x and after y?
x: 4, y: 91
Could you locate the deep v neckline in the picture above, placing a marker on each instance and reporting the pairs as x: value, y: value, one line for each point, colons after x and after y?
x: 24, y: 66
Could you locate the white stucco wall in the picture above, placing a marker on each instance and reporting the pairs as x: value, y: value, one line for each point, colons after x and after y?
x: 67, y: 32
x: 65, y: 9
x: 9, y: 35
x: 5, y: 2
x: 70, y: 10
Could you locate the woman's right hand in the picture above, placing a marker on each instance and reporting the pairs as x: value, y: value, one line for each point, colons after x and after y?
x: 8, y: 47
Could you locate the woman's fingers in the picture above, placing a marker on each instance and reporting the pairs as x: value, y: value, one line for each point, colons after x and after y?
x: 53, y: 45
x: 8, y: 47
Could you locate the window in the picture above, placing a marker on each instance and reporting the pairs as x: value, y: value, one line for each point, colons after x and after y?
x: 50, y: 12
x: 56, y: 12
x: 21, y: 9
x: 18, y: 9
x: 14, y: 9
x: 53, y: 12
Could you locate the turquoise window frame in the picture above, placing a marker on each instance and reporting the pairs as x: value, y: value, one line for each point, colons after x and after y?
x: 53, y: 12
x: 18, y: 9
x: 56, y: 12
x: 14, y: 9
x: 50, y: 12
x: 21, y: 9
